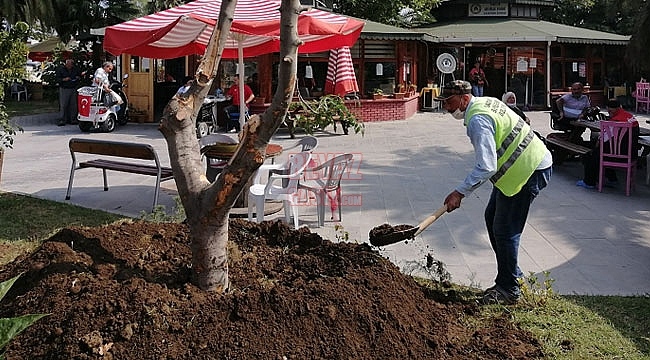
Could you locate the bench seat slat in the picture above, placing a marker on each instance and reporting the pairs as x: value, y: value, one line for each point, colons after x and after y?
x: 141, y: 169
x: 567, y: 145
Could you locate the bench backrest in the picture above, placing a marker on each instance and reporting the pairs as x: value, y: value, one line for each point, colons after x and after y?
x: 113, y: 148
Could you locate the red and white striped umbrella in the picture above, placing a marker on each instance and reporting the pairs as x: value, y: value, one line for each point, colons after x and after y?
x: 186, y: 30
x: 340, y: 78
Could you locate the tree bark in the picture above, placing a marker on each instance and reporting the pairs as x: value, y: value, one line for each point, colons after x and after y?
x: 207, y: 205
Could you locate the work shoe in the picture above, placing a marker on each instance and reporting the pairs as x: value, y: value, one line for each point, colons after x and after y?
x: 495, y: 295
x: 60, y: 123
x: 581, y: 183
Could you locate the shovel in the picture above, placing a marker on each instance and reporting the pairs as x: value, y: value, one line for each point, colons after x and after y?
x: 397, y: 236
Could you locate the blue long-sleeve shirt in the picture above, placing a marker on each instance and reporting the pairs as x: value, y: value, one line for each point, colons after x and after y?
x: 481, y: 130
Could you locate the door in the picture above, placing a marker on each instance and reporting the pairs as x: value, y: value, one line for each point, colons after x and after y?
x: 140, y: 88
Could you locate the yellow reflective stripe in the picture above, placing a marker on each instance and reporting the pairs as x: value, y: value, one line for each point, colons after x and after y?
x: 513, y: 157
x: 510, y: 138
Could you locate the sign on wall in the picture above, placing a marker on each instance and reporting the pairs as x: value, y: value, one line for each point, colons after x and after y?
x: 498, y: 9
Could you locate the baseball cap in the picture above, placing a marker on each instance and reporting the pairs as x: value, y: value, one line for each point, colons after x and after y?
x: 456, y: 87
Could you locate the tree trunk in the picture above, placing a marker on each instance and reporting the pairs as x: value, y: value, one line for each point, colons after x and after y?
x: 207, y: 205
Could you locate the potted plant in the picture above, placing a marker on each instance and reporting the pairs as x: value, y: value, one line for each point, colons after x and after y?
x: 412, y: 89
x: 377, y: 94
x: 400, y: 91
x: 312, y: 115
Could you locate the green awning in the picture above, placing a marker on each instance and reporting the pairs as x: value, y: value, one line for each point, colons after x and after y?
x: 511, y: 30
x: 378, y: 31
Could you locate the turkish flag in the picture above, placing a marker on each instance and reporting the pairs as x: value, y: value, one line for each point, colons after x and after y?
x: 83, y: 103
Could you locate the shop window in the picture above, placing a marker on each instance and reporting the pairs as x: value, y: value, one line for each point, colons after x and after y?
x: 574, y: 51
x: 575, y: 71
x: 383, y: 79
x: 375, y: 49
x: 596, y: 52
x: 557, y: 81
x: 231, y: 67
x: 597, y: 79
x: 556, y: 51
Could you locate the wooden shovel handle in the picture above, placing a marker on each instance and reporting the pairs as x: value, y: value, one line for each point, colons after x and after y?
x: 428, y: 221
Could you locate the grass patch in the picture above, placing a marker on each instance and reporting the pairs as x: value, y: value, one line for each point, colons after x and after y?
x: 568, y: 327
x: 31, y: 107
x: 26, y: 221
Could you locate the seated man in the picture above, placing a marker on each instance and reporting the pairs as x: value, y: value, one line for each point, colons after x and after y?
x: 591, y: 161
x: 233, y: 93
x: 572, y: 107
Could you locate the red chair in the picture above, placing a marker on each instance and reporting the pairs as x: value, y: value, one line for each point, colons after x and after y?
x: 642, y: 96
x: 616, y: 151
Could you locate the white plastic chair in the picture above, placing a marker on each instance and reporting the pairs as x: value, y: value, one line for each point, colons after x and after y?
x: 308, y: 143
x: 327, y: 179
x: 273, y: 189
x: 19, y: 90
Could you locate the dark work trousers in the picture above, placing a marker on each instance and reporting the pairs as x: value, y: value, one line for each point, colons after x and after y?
x: 68, y: 105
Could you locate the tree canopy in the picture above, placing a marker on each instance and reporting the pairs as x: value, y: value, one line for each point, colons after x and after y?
x: 625, y: 17
x: 69, y: 18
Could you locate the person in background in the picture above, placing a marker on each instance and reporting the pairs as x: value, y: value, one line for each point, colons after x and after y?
x: 102, y: 80
x: 478, y: 79
x: 233, y: 93
x: 510, y: 99
x: 591, y: 161
x: 572, y: 107
x: 68, y: 77
x: 518, y: 164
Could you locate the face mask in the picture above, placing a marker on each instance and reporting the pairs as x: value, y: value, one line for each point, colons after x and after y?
x: 511, y: 105
x: 458, y: 115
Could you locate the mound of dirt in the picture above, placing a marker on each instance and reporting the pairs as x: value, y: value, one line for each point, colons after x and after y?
x: 124, y: 292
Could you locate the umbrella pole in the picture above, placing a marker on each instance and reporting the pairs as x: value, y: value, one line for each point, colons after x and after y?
x: 240, y: 66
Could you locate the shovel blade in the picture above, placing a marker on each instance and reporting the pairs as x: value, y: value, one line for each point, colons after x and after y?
x: 393, y: 237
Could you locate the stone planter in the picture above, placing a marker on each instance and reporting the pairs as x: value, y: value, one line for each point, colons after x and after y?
x: 377, y: 96
x: 399, y: 96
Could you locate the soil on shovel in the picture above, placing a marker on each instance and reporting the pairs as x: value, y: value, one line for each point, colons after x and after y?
x: 382, y: 231
x: 124, y: 292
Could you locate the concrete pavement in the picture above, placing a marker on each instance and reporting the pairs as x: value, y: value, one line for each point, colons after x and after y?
x: 590, y: 242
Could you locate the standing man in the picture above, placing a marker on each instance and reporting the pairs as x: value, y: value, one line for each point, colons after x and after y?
x: 516, y: 162
x: 68, y: 77
x: 478, y: 79
x: 233, y: 93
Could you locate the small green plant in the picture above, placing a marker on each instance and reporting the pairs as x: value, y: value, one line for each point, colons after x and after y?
x: 534, y: 293
x: 10, y: 327
x: 341, y: 234
x: 378, y: 91
x: 312, y: 115
x: 160, y: 215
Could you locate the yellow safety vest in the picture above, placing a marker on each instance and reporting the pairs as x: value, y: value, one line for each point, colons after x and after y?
x: 519, y: 151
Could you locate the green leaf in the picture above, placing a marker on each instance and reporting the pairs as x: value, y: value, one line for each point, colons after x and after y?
x: 12, y: 327
x: 6, y: 285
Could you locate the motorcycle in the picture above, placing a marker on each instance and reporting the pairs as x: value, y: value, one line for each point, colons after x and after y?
x: 98, y: 110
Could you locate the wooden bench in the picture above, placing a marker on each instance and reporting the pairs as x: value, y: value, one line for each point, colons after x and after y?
x: 561, y: 147
x: 118, y: 149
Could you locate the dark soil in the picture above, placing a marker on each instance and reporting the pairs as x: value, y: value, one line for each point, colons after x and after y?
x: 124, y: 292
